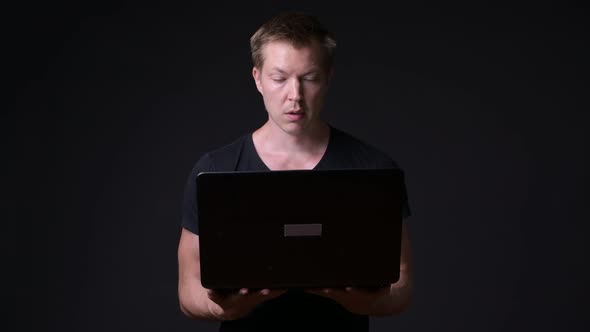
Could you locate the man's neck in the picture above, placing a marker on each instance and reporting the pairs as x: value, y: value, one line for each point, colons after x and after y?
x: 274, y: 140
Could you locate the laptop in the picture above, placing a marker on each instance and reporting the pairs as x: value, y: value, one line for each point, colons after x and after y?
x: 300, y: 228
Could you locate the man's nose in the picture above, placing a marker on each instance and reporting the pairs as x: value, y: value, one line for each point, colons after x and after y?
x: 295, y: 90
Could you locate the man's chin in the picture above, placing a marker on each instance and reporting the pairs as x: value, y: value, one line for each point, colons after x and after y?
x: 294, y: 129
x: 300, y: 127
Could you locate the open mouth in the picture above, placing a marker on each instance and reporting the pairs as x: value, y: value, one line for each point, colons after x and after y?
x: 295, y: 115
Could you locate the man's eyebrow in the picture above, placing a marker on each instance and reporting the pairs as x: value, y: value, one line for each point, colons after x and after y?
x: 312, y: 71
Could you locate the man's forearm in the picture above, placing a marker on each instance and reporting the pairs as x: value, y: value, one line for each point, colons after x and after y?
x: 195, y: 303
x: 396, y: 301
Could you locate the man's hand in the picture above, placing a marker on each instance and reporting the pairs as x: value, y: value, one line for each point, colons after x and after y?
x: 236, y: 305
x: 382, y: 301
x: 357, y: 300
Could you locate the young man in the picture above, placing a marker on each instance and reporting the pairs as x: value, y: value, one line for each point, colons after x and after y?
x: 293, y: 59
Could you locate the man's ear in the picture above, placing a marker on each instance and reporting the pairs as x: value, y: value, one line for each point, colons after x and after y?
x: 256, y: 75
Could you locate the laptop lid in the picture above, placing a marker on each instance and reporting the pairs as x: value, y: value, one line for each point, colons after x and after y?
x: 300, y: 228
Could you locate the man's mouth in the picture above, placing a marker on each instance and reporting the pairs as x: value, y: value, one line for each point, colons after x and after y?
x: 295, y: 115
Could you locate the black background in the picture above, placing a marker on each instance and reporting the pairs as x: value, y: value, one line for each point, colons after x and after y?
x: 485, y: 109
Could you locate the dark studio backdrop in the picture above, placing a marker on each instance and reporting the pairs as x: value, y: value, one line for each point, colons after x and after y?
x: 484, y: 108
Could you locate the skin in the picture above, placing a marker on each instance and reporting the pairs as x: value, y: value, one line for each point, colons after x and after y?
x: 384, y: 301
x: 293, y: 85
x: 200, y: 303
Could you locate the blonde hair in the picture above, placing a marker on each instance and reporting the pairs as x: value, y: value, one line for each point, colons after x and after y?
x: 297, y: 28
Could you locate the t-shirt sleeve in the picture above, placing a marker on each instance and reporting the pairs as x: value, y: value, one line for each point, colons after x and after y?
x: 406, y: 212
x: 190, y: 217
x: 387, y: 162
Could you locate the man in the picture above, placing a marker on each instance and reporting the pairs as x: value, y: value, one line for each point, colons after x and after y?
x: 293, y: 59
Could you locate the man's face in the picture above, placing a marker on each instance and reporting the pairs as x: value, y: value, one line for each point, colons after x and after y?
x: 293, y: 84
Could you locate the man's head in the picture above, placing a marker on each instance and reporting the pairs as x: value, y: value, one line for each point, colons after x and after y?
x: 298, y: 29
x: 293, y: 63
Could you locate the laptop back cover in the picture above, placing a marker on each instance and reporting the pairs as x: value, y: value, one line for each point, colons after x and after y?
x: 300, y: 228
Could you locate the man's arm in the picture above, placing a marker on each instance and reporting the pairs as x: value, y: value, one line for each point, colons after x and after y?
x: 200, y: 303
x: 382, y: 302
x: 400, y: 294
x: 192, y: 297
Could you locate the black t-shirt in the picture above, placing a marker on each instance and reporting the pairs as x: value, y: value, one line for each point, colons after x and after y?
x: 293, y: 310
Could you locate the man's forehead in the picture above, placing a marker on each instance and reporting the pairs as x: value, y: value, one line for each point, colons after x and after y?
x: 278, y: 56
x: 287, y: 69
x: 297, y: 44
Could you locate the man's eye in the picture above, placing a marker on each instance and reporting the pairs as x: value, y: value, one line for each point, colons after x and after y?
x: 310, y: 78
x: 278, y: 79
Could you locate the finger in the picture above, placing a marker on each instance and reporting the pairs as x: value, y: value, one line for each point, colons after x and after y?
x: 272, y: 292
x: 367, y: 290
x: 313, y: 290
x: 216, y: 296
x: 214, y: 293
x: 327, y: 292
x: 211, y: 293
x: 318, y: 290
x: 277, y: 292
x: 336, y: 290
x: 376, y: 289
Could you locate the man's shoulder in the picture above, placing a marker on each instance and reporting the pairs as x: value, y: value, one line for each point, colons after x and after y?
x: 229, y: 150
x: 361, y: 150
x: 222, y: 157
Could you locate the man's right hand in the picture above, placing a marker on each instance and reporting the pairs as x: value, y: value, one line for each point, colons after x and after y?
x: 231, y: 306
x: 198, y: 302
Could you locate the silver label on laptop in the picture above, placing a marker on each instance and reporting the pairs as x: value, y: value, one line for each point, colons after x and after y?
x: 303, y: 230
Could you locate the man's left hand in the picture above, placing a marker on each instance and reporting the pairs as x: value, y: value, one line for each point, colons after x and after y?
x: 356, y: 300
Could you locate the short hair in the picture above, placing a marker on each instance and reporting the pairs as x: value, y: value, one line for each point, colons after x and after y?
x: 297, y: 28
